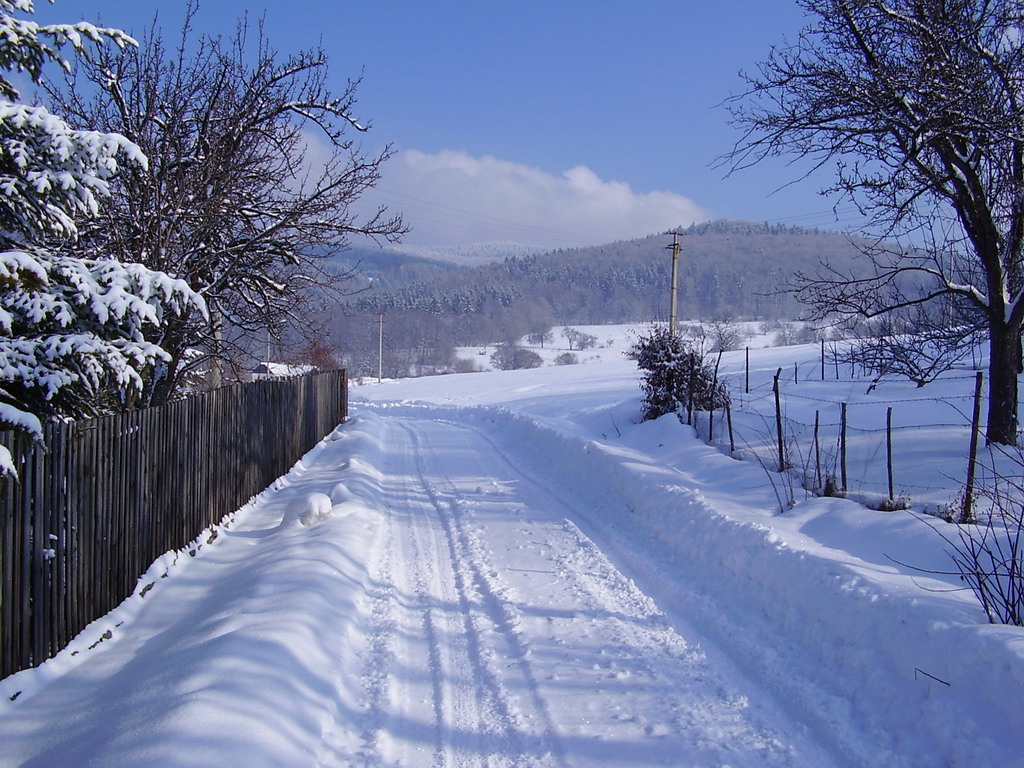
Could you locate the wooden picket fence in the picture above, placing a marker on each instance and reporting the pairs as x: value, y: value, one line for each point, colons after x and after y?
x: 98, y: 501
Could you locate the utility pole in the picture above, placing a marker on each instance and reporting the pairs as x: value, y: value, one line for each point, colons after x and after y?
x: 673, y: 314
x: 380, y: 351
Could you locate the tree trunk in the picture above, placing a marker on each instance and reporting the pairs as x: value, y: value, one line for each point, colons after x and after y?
x: 1004, y: 363
x: 215, y: 375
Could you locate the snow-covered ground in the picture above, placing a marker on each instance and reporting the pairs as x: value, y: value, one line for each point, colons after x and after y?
x: 513, y: 571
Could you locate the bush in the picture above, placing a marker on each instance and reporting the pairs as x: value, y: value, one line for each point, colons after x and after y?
x: 566, y: 358
x: 674, y: 375
x: 526, y: 358
x: 509, y: 357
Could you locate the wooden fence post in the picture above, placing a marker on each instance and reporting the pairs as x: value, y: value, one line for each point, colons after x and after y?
x: 689, y: 398
x: 888, y: 450
x: 817, y: 451
x: 747, y: 369
x: 778, y: 422
x: 728, y: 420
x: 714, y: 394
x: 842, y: 445
x: 967, y: 514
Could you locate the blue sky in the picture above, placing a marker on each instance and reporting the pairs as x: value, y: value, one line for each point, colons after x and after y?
x: 556, y: 122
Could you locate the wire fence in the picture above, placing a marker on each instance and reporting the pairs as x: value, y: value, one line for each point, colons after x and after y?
x: 857, y: 442
x: 98, y: 501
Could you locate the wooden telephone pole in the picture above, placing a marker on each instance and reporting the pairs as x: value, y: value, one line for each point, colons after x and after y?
x: 673, y: 313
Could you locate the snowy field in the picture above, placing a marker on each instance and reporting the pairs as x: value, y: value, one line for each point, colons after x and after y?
x: 507, y: 569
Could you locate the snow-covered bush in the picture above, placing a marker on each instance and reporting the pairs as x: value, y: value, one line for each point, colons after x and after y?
x: 674, y: 375
x: 73, y: 332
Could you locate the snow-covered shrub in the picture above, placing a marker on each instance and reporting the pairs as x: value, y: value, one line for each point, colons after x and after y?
x: 74, y: 333
x: 674, y: 375
x: 567, y: 358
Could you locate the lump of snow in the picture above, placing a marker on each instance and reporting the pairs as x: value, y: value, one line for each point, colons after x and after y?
x: 310, y: 509
x: 340, y: 494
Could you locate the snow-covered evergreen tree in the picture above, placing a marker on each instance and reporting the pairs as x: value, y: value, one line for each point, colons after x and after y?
x: 674, y: 375
x: 71, y: 330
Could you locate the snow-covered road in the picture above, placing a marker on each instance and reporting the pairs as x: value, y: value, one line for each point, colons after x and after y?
x: 504, y: 636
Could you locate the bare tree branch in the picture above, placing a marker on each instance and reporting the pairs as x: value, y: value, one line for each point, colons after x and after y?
x: 918, y: 105
x: 234, y: 199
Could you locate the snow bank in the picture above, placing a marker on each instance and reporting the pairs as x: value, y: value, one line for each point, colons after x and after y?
x: 302, y: 497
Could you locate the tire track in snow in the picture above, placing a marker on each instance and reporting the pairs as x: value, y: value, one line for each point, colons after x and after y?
x: 419, y: 588
x: 501, y: 738
x: 446, y: 702
x: 533, y: 648
x: 720, y: 716
x: 488, y: 616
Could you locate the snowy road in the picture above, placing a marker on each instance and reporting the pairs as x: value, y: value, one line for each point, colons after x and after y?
x: 503, y: 635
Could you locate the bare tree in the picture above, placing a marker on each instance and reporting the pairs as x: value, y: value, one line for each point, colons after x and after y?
x: 541, y: 335
x: 718, y: 334
x: 235, y: 199
x: 578, y: 340
x: 918, y: 102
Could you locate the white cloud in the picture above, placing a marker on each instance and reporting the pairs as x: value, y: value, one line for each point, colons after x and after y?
x: 453, y: 198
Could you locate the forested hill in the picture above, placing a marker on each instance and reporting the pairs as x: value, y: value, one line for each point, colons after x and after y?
x: 726, y: 268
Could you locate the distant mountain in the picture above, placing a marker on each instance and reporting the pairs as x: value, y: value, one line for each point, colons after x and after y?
x: 403, y: 264
x: 388, y: 268
x: 728, y: 269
